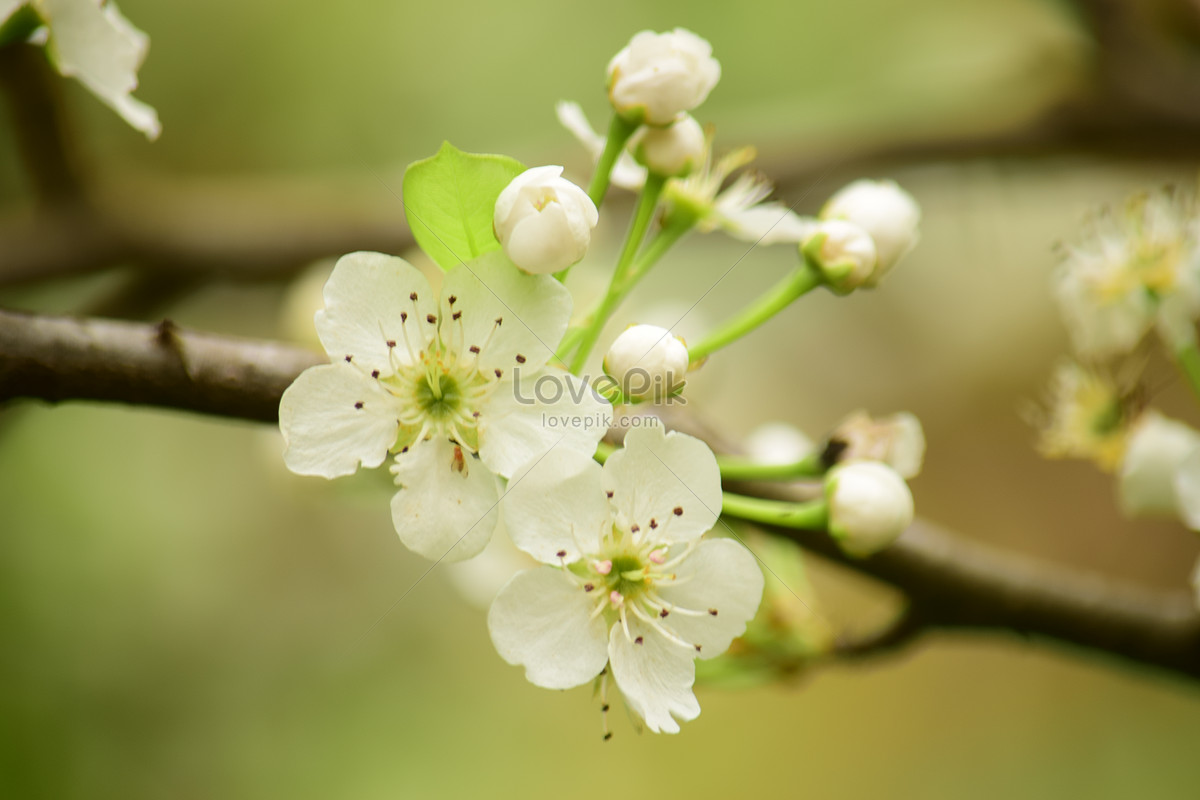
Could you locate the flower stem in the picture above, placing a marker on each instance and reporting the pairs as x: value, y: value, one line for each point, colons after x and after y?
x: 619, y: 131
x: 802, y: 280
x: 642, y: 215
x: 812, y: 515
x: 741, y: 469
x: 1188, y: 359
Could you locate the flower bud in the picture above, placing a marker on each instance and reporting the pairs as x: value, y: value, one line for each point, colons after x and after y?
x: 647, y: 362
x: 897, y: 440
x: 673, y: 151
x: 543, y: 221
x: 1156, y: 449
x: 843, y: 252
x: 778, y: 443
x: 659, y: 75
x: 870, y: 505
x: 886, y: 212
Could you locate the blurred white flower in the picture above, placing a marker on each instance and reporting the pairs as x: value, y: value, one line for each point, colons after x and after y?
x: 478, y: 579
x: 543, y: 221
x: 672, y: 151
x: 844, y: 253
x: 657, y: 76
x: 885, y: 211
x: 1187, y: 489
x: 870, y: 505
x: 1087, y: 415
x: 1196, y: 583
x: 647, y: 362
x: 1156, y: 449
x: 778, y: 443
x: 897, y: 440
x: 90, y: 41
x: 448, y: 387
x: 1131, y: 270
x: 630, y: 583
x: 626, y: 172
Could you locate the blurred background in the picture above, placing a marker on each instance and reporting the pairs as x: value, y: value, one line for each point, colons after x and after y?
x: 181, y: 617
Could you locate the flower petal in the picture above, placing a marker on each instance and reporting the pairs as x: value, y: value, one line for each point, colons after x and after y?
x: 448, y: 505
x: 719, y: 575
x: 540, y: 620
x: 557, y: 505
x: 525, y: 418
x: 368, y: 304
x: 767, y: 223
x: 533, y: 311
x: 332, y: 418
x: 655, y: 676
x: 571, y: 116
x: 670, y: 477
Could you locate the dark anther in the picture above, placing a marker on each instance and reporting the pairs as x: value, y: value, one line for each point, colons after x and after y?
x: 653, y: 523
x: 678, y: 511
x: 604, y: 708
x: 499, y: 320
x: 587, y: 587
x: 634, y: 528
x: 638, y: 640
x: 453, y: 299
x: 374, y: 373
x: 391, y: 342
x: 561, y: 554
x: 359, y: 405
x: 430, y: 318
x: 456, y: 315
x: 608, y: 736
x: 413, y: 297
x: 499, y: 372
x: 609, y: 495
x: 712, y: 611
x: 349, y: 359
x: 520, y: 358
x: 697, y: 648
x: 663, y: 613
x: 474, y: 349
x: 404, y: 450
x: 404, y: 316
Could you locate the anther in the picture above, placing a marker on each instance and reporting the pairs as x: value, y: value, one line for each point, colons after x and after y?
x: 603, y: 567
x: 499, y: 320
x: 456, y: 315
x: 430, y: 318
x: 374, y: 373
x: 474, y: 349
x: 561, y: 554
x: 615, y: 597
x: 678, y: 511
x: 404, y: 316
x: 349, y: 359
x: 653, y: 523
x: 638, y: 640
x: 634, y: 528
x: 453, y: 299
x: 664, y: 613
x: 712, y: 612
x: 604, y: 708
x: 609, y: 495
x: 499, y: 373
x: 659, y: 556
x: 587, y: 587
x: 697, y: 648
x: 391, y: 343
x: 520, y: 358
x: 608, y: 736
x: 413, y: 297
x: 359, y: 405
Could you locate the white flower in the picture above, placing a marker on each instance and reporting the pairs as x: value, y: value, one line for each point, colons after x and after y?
x: 1196, y: 583
x: 1088, y: 415
x: 672, y: 151
x: 543, y: 221
x: 778, y: 443
x: 1131, y: 270
x: 870, y: 505
x: 448, y: 386
x: 89, y: 40
x: 659, y: 75
x: 630, y: 582
x: 844, y: 253
x: 897, y: 440
x: 626, y: 172
x: 886, y: 212
x: 1187, y: 489
x: 1156, y: 449
x: 739, y: 210
x: 647, y: 362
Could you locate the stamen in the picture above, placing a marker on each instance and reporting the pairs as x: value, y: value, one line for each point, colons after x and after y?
x: 658, y: 626
x: 603, y: 567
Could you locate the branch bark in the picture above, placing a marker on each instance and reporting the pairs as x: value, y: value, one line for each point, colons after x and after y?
x: 951, y: 583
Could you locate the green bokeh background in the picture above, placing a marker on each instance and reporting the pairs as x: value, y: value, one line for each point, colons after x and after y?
x: 180, y: 617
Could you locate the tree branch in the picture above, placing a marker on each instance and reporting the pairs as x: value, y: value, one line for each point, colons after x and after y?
x: 951, y: 582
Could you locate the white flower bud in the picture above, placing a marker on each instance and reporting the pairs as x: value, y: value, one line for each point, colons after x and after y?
x: 543, y: 221
x: 1156, y: 449
x: 659, y: 75
x: 845, y: 254
x: 673, y: 151
x: 885, y: 211
x: 778, y: 443
x: 647, y: 362
x: 870, y: 505
x: 897, y: 440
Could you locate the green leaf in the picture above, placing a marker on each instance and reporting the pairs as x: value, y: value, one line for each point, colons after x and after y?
x: 449, y: 200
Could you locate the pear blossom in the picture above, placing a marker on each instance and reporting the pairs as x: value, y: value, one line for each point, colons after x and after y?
x: 778, y: 443
x: 626, y: 172
x: 870, y: 505
x: 897, y: 440
x: 739, y: 209
x: 89, y: 40
x: 844, y: 253
x: 446, y: 386
x: 1132, y: 270
x: 628, y: 580
x: 1186, y: 484
x: 657, y: 76
x: 671, y: 151
x: 1088, y: 415
x: 647, y: 362
x: 543, y: 221
x: 885, y: 211
x: 1156, y: 450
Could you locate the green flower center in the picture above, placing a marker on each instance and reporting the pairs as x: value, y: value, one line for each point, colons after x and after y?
x: 439, y: 395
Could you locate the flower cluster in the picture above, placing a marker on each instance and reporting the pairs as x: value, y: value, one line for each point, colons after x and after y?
x: 463, y: 390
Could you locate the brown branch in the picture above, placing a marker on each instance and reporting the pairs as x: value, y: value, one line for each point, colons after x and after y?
x: 950, y: 582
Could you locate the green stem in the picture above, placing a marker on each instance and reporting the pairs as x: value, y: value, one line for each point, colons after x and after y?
x: 619, y: 131
x: 20, y: 26
x: 642, y: 216
x: 603, y: 451
x: 1188, y: 359
x: 742, y: 469
x: 813, y: 515
x: 802, y: 280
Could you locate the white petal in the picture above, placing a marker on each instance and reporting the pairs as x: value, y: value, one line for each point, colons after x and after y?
x: 7, y: 7
x: 655, y: 676
x: 768, y: 223
x: 368, y: 304
x: 449, y: 504
x: 534, y: 310
x: 657, y: 473
x: 1187, y: 490
x: 539, y: 620
x: 719, y: 575
x: 548, y: 241
x: 543, y: 409
x: 479, y: 579
x: 334, y: 417
x: 627, y: 173
x: 94, y: 43
x: 571, y: 116
x: 557, y: 505
x: 1156, y: 449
